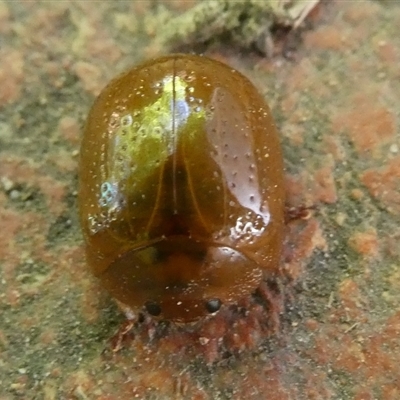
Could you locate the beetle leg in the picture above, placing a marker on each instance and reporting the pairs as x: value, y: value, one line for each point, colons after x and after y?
x: 299, y: 212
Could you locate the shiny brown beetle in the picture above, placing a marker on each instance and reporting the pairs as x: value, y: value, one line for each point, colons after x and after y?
x: 181, y: 187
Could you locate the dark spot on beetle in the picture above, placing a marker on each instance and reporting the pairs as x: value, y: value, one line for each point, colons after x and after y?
x: 213, y: 305
x: 153, y: 308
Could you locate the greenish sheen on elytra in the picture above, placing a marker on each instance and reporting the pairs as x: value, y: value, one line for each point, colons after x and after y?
x: 181, y: 187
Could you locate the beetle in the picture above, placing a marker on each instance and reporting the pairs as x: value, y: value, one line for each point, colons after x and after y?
x: 181, y: 192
